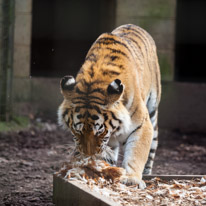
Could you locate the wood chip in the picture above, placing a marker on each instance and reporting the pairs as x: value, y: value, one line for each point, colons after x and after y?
x: 104, y: 179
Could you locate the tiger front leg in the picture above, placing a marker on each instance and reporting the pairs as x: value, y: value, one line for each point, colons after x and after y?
x: 136, y: 153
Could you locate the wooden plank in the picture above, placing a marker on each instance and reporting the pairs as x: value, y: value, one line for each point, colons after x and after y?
x: 170, y: 177
x: 66, y: 193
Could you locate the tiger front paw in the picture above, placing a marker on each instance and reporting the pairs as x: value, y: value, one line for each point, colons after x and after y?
x: 133, y: 180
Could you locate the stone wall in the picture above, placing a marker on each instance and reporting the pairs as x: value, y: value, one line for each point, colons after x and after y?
x: 22, y: 50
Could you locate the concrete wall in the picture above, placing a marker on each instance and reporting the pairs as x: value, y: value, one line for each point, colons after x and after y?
x: 182, y: 105
x: 158, y: 18
x: 22, y: 50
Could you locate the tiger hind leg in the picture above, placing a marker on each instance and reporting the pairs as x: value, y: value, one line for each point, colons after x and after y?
x: 154, y: 144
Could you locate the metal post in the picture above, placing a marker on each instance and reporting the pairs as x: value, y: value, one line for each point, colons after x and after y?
x: 6, y: 58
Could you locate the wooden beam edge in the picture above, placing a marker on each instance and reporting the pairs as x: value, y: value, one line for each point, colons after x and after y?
x: 74, y: 193
x: 170, y: 177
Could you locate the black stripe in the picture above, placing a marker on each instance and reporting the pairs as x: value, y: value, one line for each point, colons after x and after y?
x: 110, y: 73
x: 89, y: 85
x: 72, y: 116
x: 85, y: 114
x: 68, y: 121
x: 135, y: 33
x: 113, y: 58
x: 81, y: 98
x: 77, y: 123
x: 96, y: 82
x: 110, y: 122
x: 88, y: 106
x: 113, y: 51
x: 148, y: 167
x: 105, y: 117
x: 152, y: 151
x: 65, y: 113
x: 84, y: 82
x: 121, y: 67
x: 77, y: 109
x: 91, y: 57
x: 87, y: 103
x: 134, y: 112
x: 152, y: 114
x: 142, y: 36
x: 91, y: 73
x: 109, y: 40
x: 133, y: 132
x: 116, y: 51
x: 94, y: 97
x: 136, y: 43
x: 79, y: 91
x: 78, y: 102
x: 98, y: 90
x: 115, y: 118
x: 97, y: 109
x: 88, y: 98
x: 116, y: 65
x: 155, y: 139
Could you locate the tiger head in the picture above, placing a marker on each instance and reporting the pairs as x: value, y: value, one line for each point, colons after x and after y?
x: 92, y: 113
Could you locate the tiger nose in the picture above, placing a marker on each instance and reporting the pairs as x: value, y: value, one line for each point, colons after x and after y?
x: 89, y: 147
x: 87, y: 127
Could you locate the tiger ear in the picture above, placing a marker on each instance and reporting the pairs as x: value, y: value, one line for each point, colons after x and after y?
x: 115, y: 90
x: 67, y: 84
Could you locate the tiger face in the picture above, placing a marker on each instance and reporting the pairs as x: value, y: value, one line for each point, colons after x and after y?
x: 89, y: 130
x: 91, y: 116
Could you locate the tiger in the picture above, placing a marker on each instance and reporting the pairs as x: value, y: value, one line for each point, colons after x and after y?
x: 114, y: 99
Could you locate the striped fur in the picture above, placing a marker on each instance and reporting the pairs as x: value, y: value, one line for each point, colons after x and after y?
x: 114, y: 100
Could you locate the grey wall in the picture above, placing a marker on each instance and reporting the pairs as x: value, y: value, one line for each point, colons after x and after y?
x: 182, y: 105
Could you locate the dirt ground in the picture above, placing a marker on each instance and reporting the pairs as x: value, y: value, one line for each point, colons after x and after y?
x: 29, y: 158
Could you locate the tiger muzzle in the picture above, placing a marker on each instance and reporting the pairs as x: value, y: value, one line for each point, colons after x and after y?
x: 90, y: 143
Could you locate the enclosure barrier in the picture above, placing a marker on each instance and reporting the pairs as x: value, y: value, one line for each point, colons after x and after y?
x: 66, y: 193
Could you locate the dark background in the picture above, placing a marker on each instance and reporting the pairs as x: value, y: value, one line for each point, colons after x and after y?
x: 191, y: 41
x: 63, y: 31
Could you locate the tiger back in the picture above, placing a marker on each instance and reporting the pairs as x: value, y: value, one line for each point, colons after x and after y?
x: 114, y: 101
